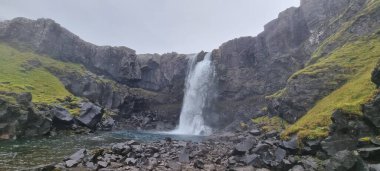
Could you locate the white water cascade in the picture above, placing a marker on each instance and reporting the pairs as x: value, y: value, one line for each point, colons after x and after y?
x: 198, y: 85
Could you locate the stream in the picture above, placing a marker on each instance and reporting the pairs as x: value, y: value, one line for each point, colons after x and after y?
x: 26, y: 153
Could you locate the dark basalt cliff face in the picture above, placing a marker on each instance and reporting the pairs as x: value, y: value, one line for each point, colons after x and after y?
x: 251, y: 68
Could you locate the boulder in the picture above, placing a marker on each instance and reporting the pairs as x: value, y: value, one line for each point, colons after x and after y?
x: 90, y: 115
x: 75, y: 158
x: 260, y: 149
x: 255, y: 132
x: 62, y: 118
x: 199, y: 164
x: 106, y: 124
x: 371, y: 111
x: 345, y: 160
x: 19, y: 118
x: 131, y: 161
x: 290, y: 144
x: 280, y: 154
x: 244, y: 146
x: 121, y: 148
x: 370, y: 154
x: 345, y: 132
x: 71, y: 163
x: 251, y: 159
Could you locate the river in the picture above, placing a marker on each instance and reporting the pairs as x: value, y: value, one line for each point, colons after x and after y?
x: 26, y: 153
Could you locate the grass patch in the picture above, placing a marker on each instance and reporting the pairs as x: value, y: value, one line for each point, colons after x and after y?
x: 26, y: 72
x: 359, y: 59
x: 270, y: 123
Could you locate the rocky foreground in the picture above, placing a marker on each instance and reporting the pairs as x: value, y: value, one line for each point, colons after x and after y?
x: 248, y: 149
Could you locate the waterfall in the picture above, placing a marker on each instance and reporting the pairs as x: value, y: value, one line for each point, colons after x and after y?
x: 198, y: 85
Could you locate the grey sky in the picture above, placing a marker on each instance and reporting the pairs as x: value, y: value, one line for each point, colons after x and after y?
x: 153, y: 26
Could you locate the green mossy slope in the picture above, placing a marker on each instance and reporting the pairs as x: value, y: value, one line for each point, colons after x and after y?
x: 358, y: 58
x: 27, y: 72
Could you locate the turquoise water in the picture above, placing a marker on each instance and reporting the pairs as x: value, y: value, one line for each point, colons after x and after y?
x: 26, y: 153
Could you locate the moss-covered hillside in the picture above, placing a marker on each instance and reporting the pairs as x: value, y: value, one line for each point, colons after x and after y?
x: 336, y: 77
x: 28, y: 72
x: 358, y: 58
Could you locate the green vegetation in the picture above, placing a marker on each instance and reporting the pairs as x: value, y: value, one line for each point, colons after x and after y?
x: 270, y: 124
x: 358, y: 59
x: 27, y: 72
x: 341, y: 34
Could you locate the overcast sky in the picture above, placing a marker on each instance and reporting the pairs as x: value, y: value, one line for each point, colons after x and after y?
x: 153, y: 26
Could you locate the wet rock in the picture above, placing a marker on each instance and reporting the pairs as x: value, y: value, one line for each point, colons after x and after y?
x: 370, y: 154
x: 133, y: 142
x: 168, y: 139
x: 146, y: 120
x: 79, y: 155
x: 106, y: 124
x: 62, y: 118
x: 90, y: 115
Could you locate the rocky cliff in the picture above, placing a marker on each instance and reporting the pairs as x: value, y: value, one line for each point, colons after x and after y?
x: 301, y: 57
x: 113, y: 77
x: 255, y: 70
